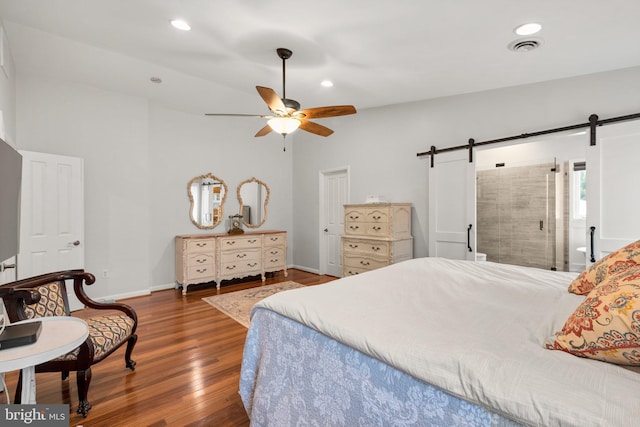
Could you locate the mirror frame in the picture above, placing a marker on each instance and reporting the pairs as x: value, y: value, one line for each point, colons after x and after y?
x: 266, y: 201
x: 192, y: 202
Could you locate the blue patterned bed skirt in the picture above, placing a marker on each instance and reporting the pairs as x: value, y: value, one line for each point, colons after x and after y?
x: 294, y: 376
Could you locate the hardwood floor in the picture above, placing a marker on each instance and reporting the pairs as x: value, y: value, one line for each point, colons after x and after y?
x: 188, y: 364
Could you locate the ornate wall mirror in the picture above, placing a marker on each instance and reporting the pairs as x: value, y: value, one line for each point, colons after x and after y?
x: 207, y: 194
x: 253, y: 196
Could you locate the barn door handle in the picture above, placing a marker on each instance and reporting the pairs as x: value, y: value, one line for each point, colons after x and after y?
x: 592, y: 233
x: 469, y: 238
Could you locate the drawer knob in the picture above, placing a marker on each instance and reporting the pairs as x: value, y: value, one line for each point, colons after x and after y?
x: 201, y: 270
x: 365, y: 263
x: 354, y: 217
x: 241, y: 255
x: 377, y: 217
x: 375, y: 248
x: 201, y: 245
x: 230, y: 267
x: 353, y: 227
x: 231, y: 242
x: 252, y: 241
x: 352, y: 246
x: 274, y: 239
x: 201, y: 260
x: 252, y: 264
x: 377, y: 228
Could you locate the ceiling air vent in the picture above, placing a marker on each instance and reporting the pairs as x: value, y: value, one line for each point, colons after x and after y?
x: 524, y: 45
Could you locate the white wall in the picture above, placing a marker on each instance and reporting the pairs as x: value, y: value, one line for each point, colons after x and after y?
x: 381, y: 144
x: 138, y: 161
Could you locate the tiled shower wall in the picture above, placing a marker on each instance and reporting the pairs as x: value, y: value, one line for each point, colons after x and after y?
x: 516, y: 216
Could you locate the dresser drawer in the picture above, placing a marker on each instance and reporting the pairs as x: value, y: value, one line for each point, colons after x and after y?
x: 380, y: 229
x: 275, y: 239
x: 200, y: 273
x: 366, y: 247
x: 196, y: 260
x: 240, y: 242
x: 235, y: 256
x: 274, y: 262
x: 364, y: 262
x: 241, y: 268
x: 200, y: 245
x: 367, y: 214
x: 352, y: 271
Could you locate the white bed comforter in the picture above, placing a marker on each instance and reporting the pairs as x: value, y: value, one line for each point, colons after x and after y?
x: 476, y: 330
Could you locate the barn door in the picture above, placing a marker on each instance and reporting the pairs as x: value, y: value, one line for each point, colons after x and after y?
x: 612, y: 174
x: 452, y: 206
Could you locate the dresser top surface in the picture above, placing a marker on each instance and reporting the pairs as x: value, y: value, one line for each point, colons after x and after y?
x: 246, y: 233
x: 374, y: 205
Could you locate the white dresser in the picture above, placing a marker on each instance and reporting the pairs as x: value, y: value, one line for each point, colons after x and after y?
x: 375, y: 235
x: 216, y: 257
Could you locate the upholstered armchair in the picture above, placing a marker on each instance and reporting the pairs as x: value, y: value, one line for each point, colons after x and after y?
x: 46, y: 295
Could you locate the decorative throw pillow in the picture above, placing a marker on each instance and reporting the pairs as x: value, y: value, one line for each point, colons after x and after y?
x: 606, y: 326
x: 615, y: 263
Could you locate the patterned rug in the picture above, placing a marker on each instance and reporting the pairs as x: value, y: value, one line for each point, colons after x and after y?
x: 237, y: 305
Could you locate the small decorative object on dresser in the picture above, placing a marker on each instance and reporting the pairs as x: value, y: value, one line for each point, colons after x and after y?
x: 217, y: 257
x: 376, y: 235
x: 235, y: 224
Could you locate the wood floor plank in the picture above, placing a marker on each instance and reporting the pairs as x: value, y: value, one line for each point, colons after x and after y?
x: 188, y: 364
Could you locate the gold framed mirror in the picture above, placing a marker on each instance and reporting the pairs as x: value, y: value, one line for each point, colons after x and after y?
x: 207, y: 194
x: 253, y: 196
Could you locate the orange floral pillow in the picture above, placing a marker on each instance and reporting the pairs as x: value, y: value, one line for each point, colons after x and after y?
x: 606, y: 326
x: 613, y: 264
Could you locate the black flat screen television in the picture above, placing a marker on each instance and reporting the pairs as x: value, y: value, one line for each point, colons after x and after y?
x: 10, y: 182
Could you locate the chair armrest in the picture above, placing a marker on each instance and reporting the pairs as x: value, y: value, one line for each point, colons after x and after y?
x: 89, y: 279
x: 15, y: 299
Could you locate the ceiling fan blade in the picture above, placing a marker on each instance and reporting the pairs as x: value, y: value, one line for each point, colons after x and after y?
x: 239, y: 115
x: 321, y: 112
x: 265, y: 130
x: 315, y: 128
x: 272, y: 99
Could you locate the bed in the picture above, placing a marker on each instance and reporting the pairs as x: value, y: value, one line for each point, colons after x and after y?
x: 429, y: 341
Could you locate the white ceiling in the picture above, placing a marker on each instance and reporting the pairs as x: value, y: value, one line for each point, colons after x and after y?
x: 376, y: 52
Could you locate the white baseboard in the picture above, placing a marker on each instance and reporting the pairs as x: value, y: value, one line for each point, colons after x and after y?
x: 163, y: 287
x: 307, y: 269
x: 116, y: 297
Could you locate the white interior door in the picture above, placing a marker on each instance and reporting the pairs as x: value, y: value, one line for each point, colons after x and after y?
x: 334, y: 194
x: 612, y: 174
x: 51, y: 216
x: 452, y: 206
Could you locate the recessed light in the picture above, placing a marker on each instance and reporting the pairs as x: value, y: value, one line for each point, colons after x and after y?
x: 527, y: 29
x: 326, y: 83
x: 180, y: 24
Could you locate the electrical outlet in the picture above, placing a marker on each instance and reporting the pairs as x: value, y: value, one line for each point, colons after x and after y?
x: 105, y: 274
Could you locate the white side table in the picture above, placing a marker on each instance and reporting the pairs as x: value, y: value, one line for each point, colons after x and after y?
x: 59, y: 335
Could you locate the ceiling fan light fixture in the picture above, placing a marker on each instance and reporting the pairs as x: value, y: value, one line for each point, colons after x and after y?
x: 284, y: 125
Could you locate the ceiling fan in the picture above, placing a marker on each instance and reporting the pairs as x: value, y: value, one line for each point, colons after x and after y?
x: 286, y: 115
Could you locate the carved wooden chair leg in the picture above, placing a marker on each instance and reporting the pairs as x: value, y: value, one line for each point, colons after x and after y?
x: 83, y: 379
x: 129, y: 363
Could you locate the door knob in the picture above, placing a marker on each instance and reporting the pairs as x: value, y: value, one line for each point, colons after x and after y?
x: 76, y: 243
x: 326, y: 230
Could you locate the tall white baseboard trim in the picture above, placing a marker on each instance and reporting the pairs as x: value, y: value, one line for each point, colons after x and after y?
x: 307, y: 269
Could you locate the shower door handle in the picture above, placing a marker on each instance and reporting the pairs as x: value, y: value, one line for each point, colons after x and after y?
x: 592, y: 233
x: 469, y: 238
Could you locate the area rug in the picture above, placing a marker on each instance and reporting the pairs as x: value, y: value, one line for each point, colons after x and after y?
x: 237, y: 305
